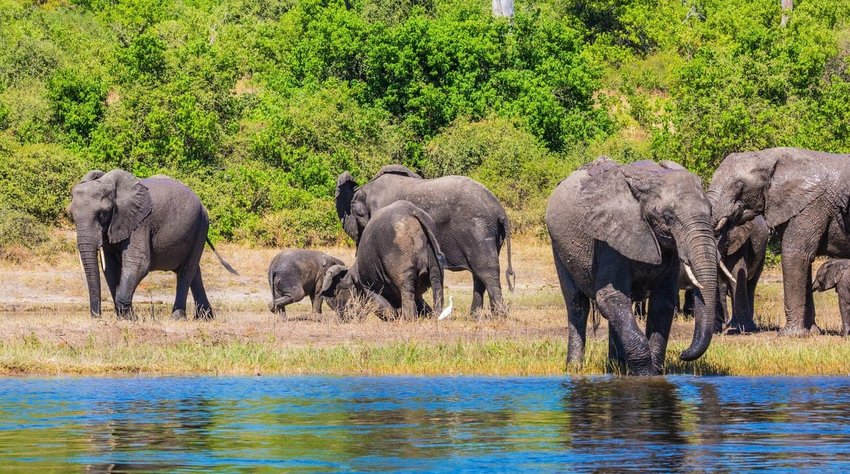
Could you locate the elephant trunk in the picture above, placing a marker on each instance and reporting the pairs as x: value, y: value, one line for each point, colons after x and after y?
x: 701, y: 251
x: 88, y: 258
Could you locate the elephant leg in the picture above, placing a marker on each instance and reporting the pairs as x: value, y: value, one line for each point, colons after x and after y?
x: 616, y: 353
x: 844, y: 307
x: 278, y: 305
x: 721, y: 313
x: 751, y: 296
x: 478, y: 289
x: 578, y: 307
x: 184, y: 281
x: 613, y: 282
x: 659, y: 319
x: 316, y: 301
x: 423, y: 309
x: 135, y: 263
x: 799, y: 245
x: 203, y: 308
x: 112, y: 271
x: 742, y: 310
x: 408, y: 303
x: 688, y: 305
x: 809, y: 319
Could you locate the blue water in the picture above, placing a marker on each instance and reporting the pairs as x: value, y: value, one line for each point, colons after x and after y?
x: 430, y: 424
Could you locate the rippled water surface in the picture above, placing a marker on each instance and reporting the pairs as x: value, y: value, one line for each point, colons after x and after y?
x: 458, y: 423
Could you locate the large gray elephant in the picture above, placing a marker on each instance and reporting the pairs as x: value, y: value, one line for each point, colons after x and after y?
x: 742, y: 252
x: 835, y: 273
x: 296, y: 273
x: 398, y: 259
x: 803, y: 195
x: 619, y: 233
x: 471, y: 224
x: 140, y: 225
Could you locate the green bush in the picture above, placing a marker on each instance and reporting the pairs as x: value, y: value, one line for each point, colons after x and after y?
x: 20, y: 232
x: 77, y: 102
x: 37, y: 180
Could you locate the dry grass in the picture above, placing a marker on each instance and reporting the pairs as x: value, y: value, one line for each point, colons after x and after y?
x: 46, y: 330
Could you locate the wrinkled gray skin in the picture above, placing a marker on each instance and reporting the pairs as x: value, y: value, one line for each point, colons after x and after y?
x: 471, y: 224
x: 619, y: 234
x: 835, y: 273
x: 294, y: 274
x: 803, y: 195
x: 743, y: 250
x: 140, y: 225
x: 398, y: 259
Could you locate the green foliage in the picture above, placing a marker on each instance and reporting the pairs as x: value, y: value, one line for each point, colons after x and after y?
x: 259, y: 105
x: 19, y: 231
x: 77, y: 103
x: 37, y: 179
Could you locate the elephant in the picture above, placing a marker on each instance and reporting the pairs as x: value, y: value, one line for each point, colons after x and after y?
x: 619, y: 233
x: 803, y: 195
x: 140, y: 225
x: 471, y: 224
x: 398, y: 258
x: 742, y: 252
x: 834, y: 274
x: 294, y: 274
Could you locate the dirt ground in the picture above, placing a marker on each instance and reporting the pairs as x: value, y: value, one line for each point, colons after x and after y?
x: 47, y: 299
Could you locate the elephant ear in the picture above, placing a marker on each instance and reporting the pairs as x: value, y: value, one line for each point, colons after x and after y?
x: 829, y: 275
x: 345, y: 188
x: 92, y: 175
x: 738, y: 236
x: 794, y: 185
x: 132, y: 204
x: 614, y: 214
x: 333, y: 275
x: 398, y: 170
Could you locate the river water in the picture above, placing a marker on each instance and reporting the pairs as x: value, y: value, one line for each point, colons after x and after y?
x: 424, y: 423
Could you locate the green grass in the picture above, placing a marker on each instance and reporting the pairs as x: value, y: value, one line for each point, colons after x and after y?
x: 755, y: 355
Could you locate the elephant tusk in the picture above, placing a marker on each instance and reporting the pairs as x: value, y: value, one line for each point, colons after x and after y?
x: 80, y: 258
x: 721, y: 224
x: 691, y: 277
x: 102, y: 260
x: 726, y: 271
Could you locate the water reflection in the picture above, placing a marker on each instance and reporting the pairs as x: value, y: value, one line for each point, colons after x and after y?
x: 328, y: 424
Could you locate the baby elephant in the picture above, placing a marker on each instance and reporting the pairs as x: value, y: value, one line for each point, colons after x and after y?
x: 398, y: 258
x: 835, y: 273
x: 294, y: 274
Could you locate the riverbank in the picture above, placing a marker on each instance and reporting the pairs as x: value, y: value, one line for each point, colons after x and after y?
x: 46, y: 330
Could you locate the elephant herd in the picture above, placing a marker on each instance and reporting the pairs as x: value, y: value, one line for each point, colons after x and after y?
x: 621, y: 234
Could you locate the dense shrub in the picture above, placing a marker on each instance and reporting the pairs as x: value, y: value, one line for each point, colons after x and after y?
x: 37, y: 179
x: 259, y: 105
x: 20, y: 234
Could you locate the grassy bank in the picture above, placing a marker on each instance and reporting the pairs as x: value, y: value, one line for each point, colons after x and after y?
x: 751, y: 356
x: 49, y: 332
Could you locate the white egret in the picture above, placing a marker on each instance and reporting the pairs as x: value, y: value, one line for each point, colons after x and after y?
x: 447, y: 311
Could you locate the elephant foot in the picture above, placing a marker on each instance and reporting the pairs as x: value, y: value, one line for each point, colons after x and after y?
x: 845, y: 332
x: 125, y: 313
x: 793, y: 330
x: 742, y: 327
x: 272, y: 307
x: 178, y: 314
x: 815, y: 330
x: 204, y: 313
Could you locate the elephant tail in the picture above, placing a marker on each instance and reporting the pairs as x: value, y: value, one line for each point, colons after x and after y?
x: 510, y: 276
x: 221, y: 260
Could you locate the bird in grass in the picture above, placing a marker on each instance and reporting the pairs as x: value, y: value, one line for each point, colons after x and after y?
x: 447, y: 311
